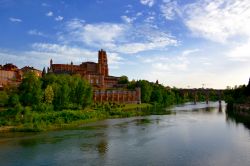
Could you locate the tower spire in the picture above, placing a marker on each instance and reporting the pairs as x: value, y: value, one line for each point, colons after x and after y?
x: 103, y: 62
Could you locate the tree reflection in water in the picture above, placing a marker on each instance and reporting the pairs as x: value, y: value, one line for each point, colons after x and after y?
x: 237, y: 118
x: 102, y: 147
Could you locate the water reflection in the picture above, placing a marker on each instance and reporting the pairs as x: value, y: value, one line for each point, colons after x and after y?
x: 195, y: 135
x: 29, y: 142
x: 220, y: 109
x: 140, y: 122
x: 102, y: 147
x: 236, y: 118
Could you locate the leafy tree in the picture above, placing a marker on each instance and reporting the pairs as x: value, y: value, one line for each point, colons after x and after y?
x: 240, y: 94
x: 48, y: 95
x: 71, y: 92
x: 61, y: 90
x: 30, y: 89
x: 3, y: 98
x: 156, y: 96
x: 13, y: 100
x: 146, y: 90
x: 132, y: 84
x: 48, y: 79
x: 43, y: 72
x: 123, y: 80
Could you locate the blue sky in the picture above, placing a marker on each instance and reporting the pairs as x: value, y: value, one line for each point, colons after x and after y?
x: 180, y: 43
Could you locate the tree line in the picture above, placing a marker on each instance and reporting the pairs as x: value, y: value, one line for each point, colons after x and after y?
x: 51, y: 92
x: 238, y: 94
x: 58, y: 92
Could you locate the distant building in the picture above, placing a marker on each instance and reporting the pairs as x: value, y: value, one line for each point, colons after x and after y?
x: 96, y: 73
x: 27, y: 69
x: 11, y: 75
x: 105, y: 86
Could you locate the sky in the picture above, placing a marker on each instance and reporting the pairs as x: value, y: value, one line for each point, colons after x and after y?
x: 180, y: 43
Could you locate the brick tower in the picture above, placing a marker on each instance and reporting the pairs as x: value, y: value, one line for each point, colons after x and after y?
x: 103, y: 63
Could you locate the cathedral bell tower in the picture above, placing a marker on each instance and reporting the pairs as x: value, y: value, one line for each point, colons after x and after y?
x: 103, y: 63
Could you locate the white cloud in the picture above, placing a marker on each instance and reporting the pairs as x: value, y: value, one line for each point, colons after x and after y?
x: 59, y: 18
x: 63, y: 50
x: 40, y: 54
x: 170, y: 9
x: 12, y: 19
x: 139, y: 14
x: 36, y: 33
x: 127, y: 19
x: 49, y: 14
x: 75, y: 54
x: 114, y: 60
x: 167, y: 63
x: 45, y: 5
x: 240, y: 52
x: 219, y: 20
x: 149, y: 3
x: 149, y: 19
x: 155, y: 43
x: 102, y: 35
x: 191, y: 51
x: 123, y: 38
x: 75, y: 24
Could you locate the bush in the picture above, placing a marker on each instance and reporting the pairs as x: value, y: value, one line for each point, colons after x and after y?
x: 3, y: 98
x: 13, y: 100
x: 43, y: 107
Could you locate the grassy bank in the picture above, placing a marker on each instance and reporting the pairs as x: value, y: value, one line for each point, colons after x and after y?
x: 27, y: 120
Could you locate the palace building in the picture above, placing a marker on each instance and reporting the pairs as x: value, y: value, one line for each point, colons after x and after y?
x: 106, y: 87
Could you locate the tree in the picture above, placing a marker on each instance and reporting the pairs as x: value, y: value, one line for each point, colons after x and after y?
x: 48, y: 95
x: 146, y: 90
x: 3, y: 98
x: 82, y: 92
x: 123, y: 80
x: 43, y: 72
x: 13, y: 100
x: 156, y: 96
x: 60, y: 87
x: 30, y: 89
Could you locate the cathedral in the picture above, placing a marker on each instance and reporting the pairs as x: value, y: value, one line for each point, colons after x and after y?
x: 96, y: 73
x: 106, y: 88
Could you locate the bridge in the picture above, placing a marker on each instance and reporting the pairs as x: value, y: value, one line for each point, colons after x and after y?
x: 195, y: 93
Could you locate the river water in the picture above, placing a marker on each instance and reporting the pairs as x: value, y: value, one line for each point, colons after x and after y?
x: 192, y: 135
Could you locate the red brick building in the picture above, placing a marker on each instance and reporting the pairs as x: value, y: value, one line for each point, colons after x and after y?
x: 105, y: 86
x: 11, y: 75
x: 26, y: 69
x: 96, y: 73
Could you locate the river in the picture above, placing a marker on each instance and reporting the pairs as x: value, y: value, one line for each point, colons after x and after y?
x: 192, y: 135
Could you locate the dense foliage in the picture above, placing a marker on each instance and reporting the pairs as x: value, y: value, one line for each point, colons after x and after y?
x: 61, y: 99
x: 123, y: 80
x: 238, y: 94
x: 157, y: 93
x: 52, y: 92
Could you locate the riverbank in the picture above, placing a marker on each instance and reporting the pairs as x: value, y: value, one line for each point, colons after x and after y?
x: 240, y: 109
x: 31, y: 121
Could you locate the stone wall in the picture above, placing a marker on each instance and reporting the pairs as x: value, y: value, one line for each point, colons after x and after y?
x: 118, y: 96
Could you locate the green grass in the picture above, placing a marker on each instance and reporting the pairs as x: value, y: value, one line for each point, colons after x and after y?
x: 135, y: 106
x: 31, y: 121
